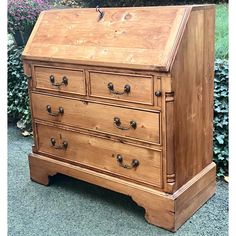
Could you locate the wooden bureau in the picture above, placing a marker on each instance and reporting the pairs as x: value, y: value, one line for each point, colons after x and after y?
x: 123, y: 98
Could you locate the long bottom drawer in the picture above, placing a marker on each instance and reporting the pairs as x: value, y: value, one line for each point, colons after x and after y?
x: 133, y: 162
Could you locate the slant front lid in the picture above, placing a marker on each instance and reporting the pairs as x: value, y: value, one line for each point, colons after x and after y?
x: 136, y: 38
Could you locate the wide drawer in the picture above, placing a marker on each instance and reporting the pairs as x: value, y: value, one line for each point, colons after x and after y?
x: 136, y: 163
x: 60, y: 80
x: 121, y: 86
x: 126, y: 122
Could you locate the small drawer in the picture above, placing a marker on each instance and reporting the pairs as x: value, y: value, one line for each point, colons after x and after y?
x: 136, y: 163
x: 60, y: 80
x: 123, y: 87
x: 125, y: 122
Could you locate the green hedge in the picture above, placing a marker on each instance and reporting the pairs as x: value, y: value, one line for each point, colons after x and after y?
x: 221, y: 122
x: 18, y: 104
x: 221, y: 32
x: 131, y: 3
x: 18, y: 99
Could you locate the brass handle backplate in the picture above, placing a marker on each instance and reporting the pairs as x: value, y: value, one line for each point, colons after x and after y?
x: 118, y: 125
x: 134, y: 163
x: 110, y: 86
x: 63, y: 145
x: 64, y: 81
x: 57, y: 113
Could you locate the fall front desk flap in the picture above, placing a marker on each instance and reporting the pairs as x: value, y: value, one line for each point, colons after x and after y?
x: 135, y: 38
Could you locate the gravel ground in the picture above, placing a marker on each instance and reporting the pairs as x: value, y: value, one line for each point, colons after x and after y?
x: 72, y: 207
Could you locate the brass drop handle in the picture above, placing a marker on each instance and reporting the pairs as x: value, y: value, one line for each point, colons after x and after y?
x: 57, y: 113
x: 64, y: 81
x: 134, y: 163
x: 118, y: 125
x: 110, y: 86
x: 64, y: 144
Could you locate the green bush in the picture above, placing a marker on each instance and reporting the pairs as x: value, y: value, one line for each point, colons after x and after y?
x: 221, y: 121
x: 221, y: 34
x: 18, y: 99
x: 132, y: 3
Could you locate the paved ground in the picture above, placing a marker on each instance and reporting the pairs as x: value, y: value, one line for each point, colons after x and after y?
x: 72, y: 207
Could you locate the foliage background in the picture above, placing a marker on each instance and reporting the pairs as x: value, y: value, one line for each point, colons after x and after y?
x: 222, y: 32
x: 18, y: 100
x: 221, y: 120
x: 135, y: 3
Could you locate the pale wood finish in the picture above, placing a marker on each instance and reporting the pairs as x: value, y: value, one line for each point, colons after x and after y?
x: 76, y: 36
x: 27, y: 69
x: 166, y: 49
x: 101, y: 154
x: 141, y: 86
x: 191, y: 196
x: 170, y: 165
x: 193, y: 83
x: 112, y: 136
x: 76, y: 80
x: 98, y: 117
x: 166, y: 89
x: 157, y: 84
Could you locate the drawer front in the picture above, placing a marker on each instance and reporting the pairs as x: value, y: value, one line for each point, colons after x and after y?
x: 122, y: 87
x: 60, y: 80
x: 132, y: 162
x: 120, y: 121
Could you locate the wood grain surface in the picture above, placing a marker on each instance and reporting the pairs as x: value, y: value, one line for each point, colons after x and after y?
x: 141, y: 86
x: 125, y: 37
x: 193, y: 83
x: 168, y: 211
x: 98, y: 117
x: 101, y: 154
x: 76, y: 80
x: 166, y: 56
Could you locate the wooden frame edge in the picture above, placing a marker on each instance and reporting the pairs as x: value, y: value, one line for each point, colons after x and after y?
x: 161, y: 209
